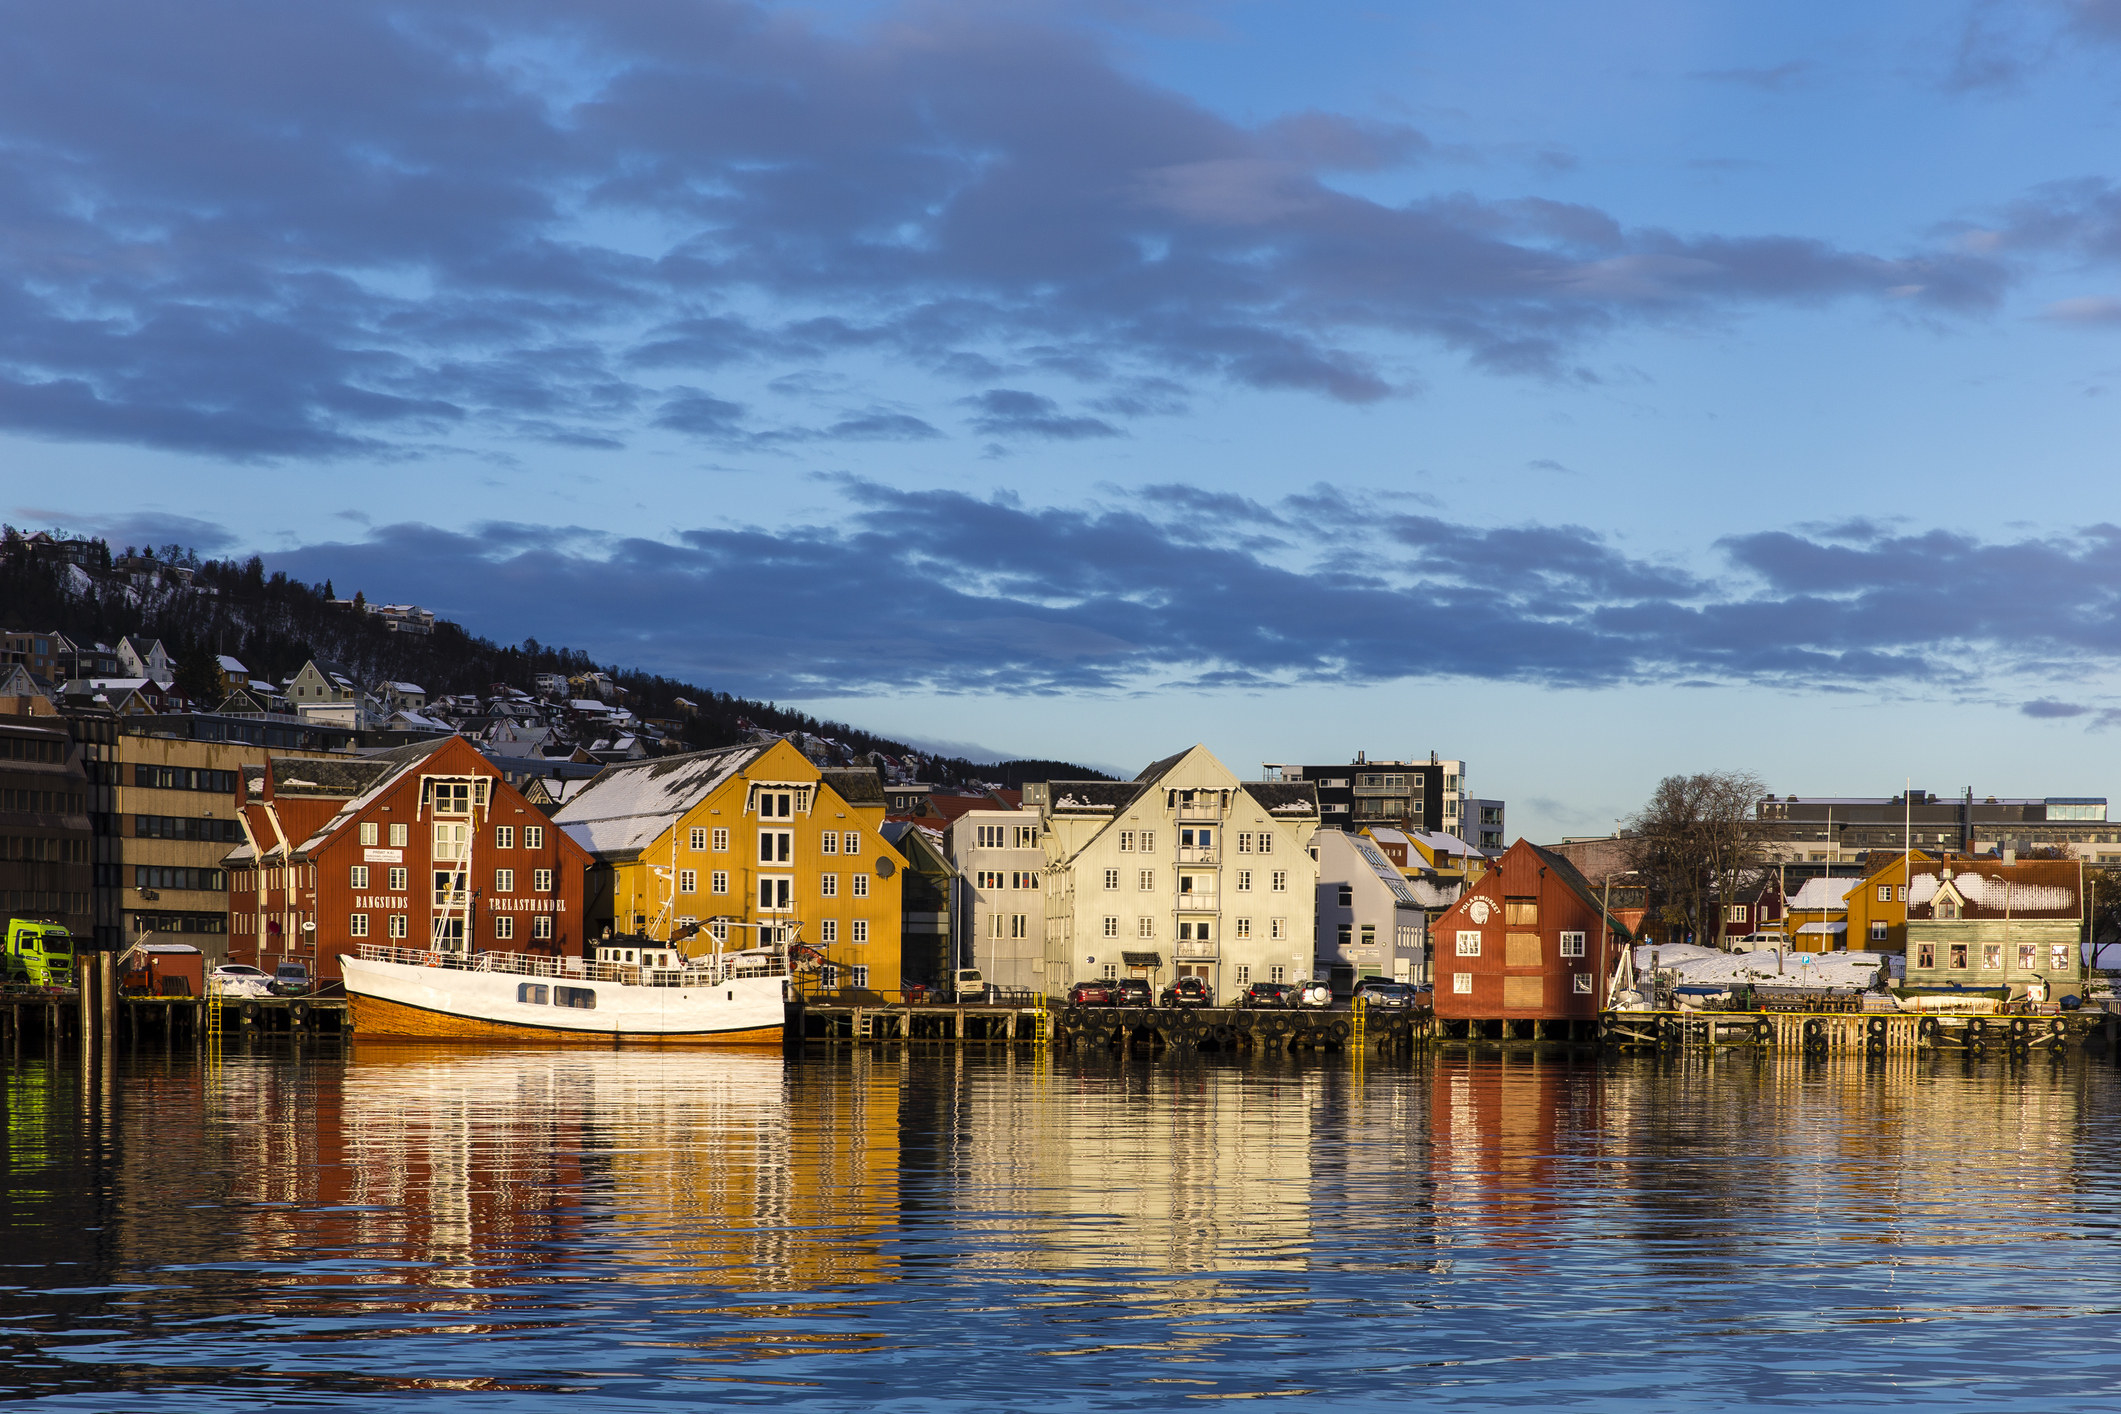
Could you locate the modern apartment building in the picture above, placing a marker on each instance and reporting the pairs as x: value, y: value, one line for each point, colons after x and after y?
x: 1426, y: 795
x: 1001, y: 857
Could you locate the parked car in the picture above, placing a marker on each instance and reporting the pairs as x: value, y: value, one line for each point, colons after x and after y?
x: 237, y: 979
x: 290, y: 979
x: 966, y: 985
x: 1264, y: 994
x: 1314, y: 992
x: 1133, y: 991
x: 1383, y: 992
x: 1095, y: 992
x: 1188, y: 991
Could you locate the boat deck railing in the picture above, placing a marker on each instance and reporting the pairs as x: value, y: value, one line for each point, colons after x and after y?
x: 699, y: 972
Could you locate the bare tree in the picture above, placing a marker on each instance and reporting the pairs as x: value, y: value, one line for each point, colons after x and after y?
x: 1696, y: 842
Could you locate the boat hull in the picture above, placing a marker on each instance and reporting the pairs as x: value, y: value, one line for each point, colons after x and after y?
x: 402, y: 1001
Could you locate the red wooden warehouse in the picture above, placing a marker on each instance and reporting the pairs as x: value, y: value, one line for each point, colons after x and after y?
x: 424, y: 847
x: 1526, y: 952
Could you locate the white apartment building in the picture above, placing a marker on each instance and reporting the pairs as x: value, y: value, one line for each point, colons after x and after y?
x: 1371, y: 920
x: 1183, y: 871
x: 1000, y: 859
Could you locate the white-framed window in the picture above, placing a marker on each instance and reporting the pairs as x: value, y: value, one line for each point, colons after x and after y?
x: 2058, y: 957
x: 1148, y: 841
x: 1244, y: 974
x: 504, y: 837
x: 772, y: 804
x: 861, y: 976
x: 1110, y: 970
x: 533, y: 837
x: 1244, y: 927
x: 718, y: 881
x: 1880, y: 932
x: 541, y: 927
x: 721, y: 839
x: 829, y: 842
x: 504, y: 881
x: 1280, y: 882
x: 1145, y: 927
x: 1244, y: 841
x: 1126, y: 841
x: 357, y: 925
x: 504, y: 927
x: 829, y: 931
x: 1266, y: 842
x: 851, y: 842
x: 1277, y: 974
x: 1244, y: 881
x: 718, y: 930
x: 1112, y: 878
x: 1023, y: 879
x: 368, y: 832
x: 1885, y: 893
x: 988, y: 836
x: 1027, y: 837
x: 1469, y: 942
x: 1734, y: 913
x: 1462, y: 982
x: 1277, y: 928
x: 858, y: 931
x: 696, y: 839
x: 1111, y: 925
x: 860, y: 885
x: 397, y: 925
x: 994, y: 925
x: 400, y: 835
x: 357, y: 877
x: 397, y: 877
x: 541, y: 881
x: 828, y: 886
x: 1572, y: 945
x: 828, y: 976
x: 776, y: 893
x: 1019, y: 925
x: 688, y: 881
x: 776, y: 846
x: 1583, y: 983
x: 1900, y: 892
x: 1145, y: 880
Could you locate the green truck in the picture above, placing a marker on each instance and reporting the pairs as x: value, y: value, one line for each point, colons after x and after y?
x: 38, y: 955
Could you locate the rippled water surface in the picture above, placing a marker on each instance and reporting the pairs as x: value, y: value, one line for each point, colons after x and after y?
x: 366, y: 1228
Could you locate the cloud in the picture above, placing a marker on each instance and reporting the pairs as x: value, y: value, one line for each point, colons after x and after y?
x: 1011, y: 412
x: 151, y: 528
x: 368, y: 229
x: 2048, y: 707
x: 2097, y: 310
x: 946, y: 591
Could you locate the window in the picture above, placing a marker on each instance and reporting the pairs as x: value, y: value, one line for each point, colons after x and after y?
x: 368, y: 832
x: 1947, y: 908
x: 1879, y: 932
x: 2058, y: 957
x: 1027, y: 837
x: 357, y: 926
x: 1244, y: 841
x: 1023, y: 879
x: 357, y: 877
x: 1111, y: 926
x: 1572, y: 945
x: 541, y: 881
x: 541, y: 927
x: 774, y: 893
x: 532, y: 993
x: 1346, y: 896
x: 1112, y: 878
x: 776, y: 846
x: 1280, y: 882
x: 861, y: 885
x: 1991, y: 957
x: 504, y: 837
x: 861, y: 976
x: 1521, y: 912
x: 1126, y: 841
x: 1901, y: 893
x: 1958, y: 955
x: 1244, y: 881
x: 534, y: 838
x: 1885, y: 893
x: 504, y: 881
x: 1462, y: 982
x: 718, y: 881
x: 988, y: 836
x: 399, y: 834
x: 584, y: 998
x: 992, y: 878
x: 1277, y: 974
x: 397, y: 925
x: 1266, y: 843
x: 2028, y: 955
x: 828, y: 977
x: 858, y: 931
x: 504, y: 927
x: 1111, y: 970
x: 1145, y: 927
x: 721, y: 841
x: 1145, y: 880
x: 829, y: 842
x: 851, y: 842
x: 396, y: 878
x: 1468, y: 943
x: 1148, y: 841
x: 1278, y: 928
x: 828, y: 885
x: 1583, y: 983
x: 1244, y: 927
x: 688, y: 880
x: 1925, y: 954
x: 1019, y: 925
x: 1244, y: 974
x: 1344, y: 934
x: 829, y: 931
x: 1734, y: 913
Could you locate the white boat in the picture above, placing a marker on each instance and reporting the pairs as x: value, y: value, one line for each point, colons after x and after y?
x: 727, y: 999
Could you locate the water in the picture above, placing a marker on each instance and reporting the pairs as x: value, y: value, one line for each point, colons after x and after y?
x: 394, y: 1228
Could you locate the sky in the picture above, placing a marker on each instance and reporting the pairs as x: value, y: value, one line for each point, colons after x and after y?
x: 1588, y: 392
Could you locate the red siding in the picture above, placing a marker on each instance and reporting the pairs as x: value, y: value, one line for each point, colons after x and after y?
x: 1522, y: 875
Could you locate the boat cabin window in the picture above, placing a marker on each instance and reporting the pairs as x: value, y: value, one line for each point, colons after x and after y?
x: 583, y: 997
x: 533, y: 993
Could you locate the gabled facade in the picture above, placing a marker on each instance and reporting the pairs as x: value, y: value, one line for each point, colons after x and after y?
x: 1819, y: 914
x: 1877, y: 905
x: 1183, y: 871
x: 146, y: 658
x: 426, y: 848
x: 322, y: 681
x: 1528, y: 942
x: 708, y: 849
x: 1984, y: 923
x: 1370, y: 922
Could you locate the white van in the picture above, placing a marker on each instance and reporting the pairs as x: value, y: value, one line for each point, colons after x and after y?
x: 966, y: 985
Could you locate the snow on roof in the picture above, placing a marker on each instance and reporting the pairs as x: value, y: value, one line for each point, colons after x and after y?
x: 1384, y: 869
x: 1996, y: 894
x: 1387, y: 834
x: 1824, y: 928
x: 1824, y: 893
x: 627, y: 806
x: 230, y: 665
x: 1696, y: 965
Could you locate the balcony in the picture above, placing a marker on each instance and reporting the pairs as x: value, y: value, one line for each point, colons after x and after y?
x: 1197, y: 951
x: 1193, y: 854
x: 1199, y: 901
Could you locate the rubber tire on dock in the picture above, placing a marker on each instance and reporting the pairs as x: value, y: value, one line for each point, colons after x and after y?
x: 1815, y: 1037
x: 298, y: 1014
x: 2021, y: 1029
x: 252, y: 1014
x: 1763, y: 1030
x: 1976, y: 1033
x: 1928, y: 1030
x: 1338, y: 1031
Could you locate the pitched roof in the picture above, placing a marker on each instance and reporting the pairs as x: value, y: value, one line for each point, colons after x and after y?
x: 1155, y: 770
x: 857, y: 785
x: 1093, y: 797
x: 1827, y: 894
x: 2032, y: 888
x: 1573, y: 877
x: 1370, y: 854
x: 1284, y: 798
x: 628, y: 806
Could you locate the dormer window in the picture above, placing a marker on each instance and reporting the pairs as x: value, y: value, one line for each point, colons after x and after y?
x: 1947, y: 907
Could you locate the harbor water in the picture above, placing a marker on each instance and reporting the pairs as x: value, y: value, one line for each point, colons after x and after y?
x: 394, y: 1227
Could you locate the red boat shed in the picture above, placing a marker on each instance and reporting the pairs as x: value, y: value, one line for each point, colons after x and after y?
x: 1527, y: 952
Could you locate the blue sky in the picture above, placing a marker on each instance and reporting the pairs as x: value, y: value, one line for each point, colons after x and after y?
x: 1592, y: 392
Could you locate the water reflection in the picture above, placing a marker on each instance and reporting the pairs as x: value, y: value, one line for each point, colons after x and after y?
x: 405, y: 1224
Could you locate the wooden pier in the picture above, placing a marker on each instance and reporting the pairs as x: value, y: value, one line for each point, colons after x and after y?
x: 1106, y: 1028
x: 43, y: 1017
x: 1845, y: 1033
